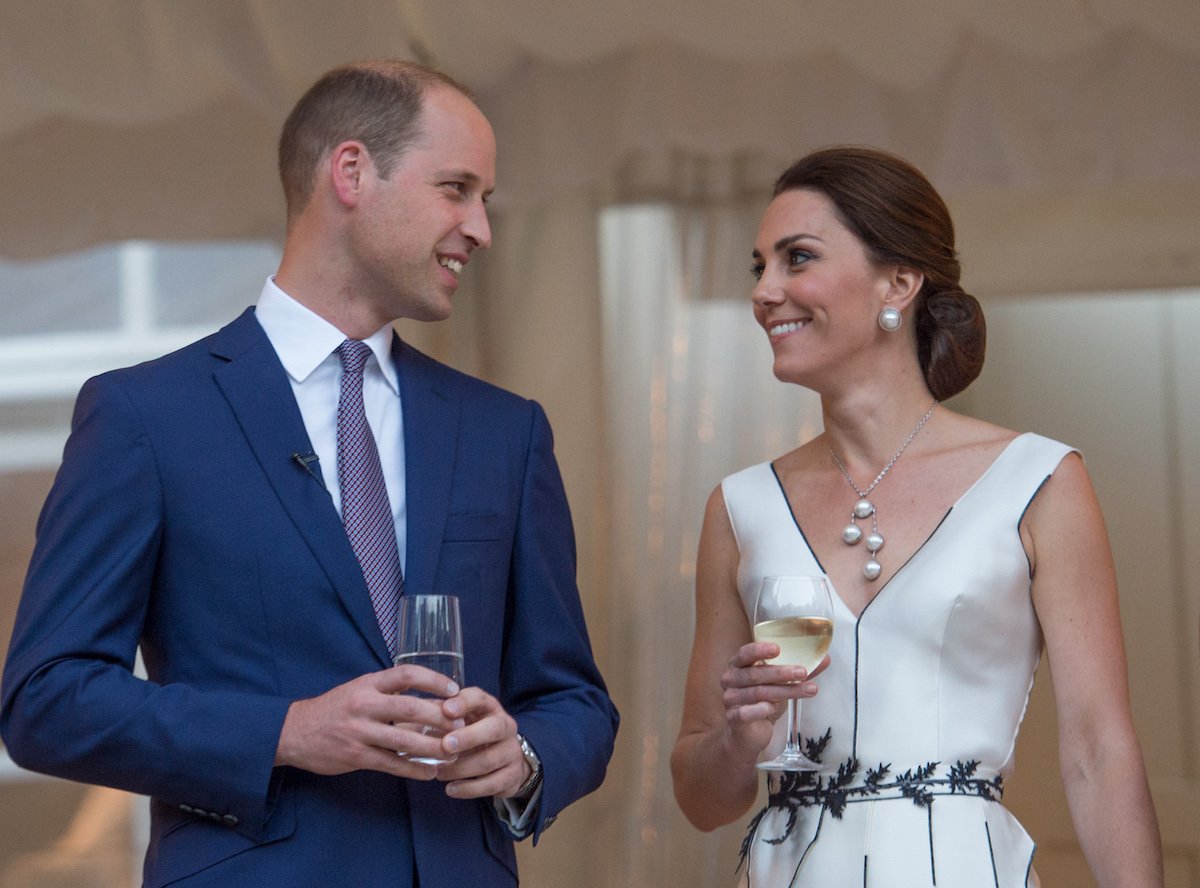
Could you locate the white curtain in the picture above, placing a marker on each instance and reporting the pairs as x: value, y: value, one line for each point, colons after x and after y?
x: 1063, y: 132
x: 655, y: 393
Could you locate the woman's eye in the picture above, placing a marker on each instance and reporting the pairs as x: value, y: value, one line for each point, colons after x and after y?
x: 798, y: 257
x: 757, y: 270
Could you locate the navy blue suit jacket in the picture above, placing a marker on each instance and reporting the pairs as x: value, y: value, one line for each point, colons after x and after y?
x: 180, y: 522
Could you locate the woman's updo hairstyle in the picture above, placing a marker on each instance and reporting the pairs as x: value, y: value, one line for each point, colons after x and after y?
x: 895, y: 212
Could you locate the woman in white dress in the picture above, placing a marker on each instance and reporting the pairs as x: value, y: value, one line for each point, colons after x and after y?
x: 975, y: 547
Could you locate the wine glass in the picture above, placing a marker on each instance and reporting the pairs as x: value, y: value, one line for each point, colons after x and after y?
x: 429, y: 634
x: 795, y: 613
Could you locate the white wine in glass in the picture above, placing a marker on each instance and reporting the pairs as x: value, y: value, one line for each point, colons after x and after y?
x: 795, y: 613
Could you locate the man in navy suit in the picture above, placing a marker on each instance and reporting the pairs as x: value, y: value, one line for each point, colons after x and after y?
x: 197, y: 516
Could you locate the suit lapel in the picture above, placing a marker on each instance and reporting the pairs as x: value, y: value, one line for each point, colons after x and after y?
x: 257, y: 389
x: 430, y: 436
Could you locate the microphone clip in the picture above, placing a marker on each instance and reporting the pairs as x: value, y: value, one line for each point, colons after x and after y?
x: 306, y: 461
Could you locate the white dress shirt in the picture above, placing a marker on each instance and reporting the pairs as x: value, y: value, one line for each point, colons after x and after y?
x: 306, y: 344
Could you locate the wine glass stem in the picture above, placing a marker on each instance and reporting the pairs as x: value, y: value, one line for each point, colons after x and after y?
x: 793, y: 727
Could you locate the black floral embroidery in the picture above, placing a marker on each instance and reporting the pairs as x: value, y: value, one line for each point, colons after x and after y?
x: 806, y: 789
x: 915, y: 784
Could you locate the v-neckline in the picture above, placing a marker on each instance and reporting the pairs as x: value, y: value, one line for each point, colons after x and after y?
x: 787, y: 503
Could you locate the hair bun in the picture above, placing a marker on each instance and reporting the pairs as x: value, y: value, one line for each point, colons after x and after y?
x: 951, y: 340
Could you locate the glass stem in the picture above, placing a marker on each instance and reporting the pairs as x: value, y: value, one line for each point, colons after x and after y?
x: 793, y: 727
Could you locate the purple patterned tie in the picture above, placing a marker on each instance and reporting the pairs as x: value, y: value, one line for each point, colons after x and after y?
x: 366, y: 511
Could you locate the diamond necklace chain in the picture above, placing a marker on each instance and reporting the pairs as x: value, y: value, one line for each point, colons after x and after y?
x: 864, y: 508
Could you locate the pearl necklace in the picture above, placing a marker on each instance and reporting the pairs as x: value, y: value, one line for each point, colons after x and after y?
x: 864, y: 508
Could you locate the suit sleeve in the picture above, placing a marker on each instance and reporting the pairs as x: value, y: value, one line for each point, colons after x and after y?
x: 72, y: 705
x: 553, y: 687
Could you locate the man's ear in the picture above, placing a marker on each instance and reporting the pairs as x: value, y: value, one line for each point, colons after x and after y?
x: 348, y: 166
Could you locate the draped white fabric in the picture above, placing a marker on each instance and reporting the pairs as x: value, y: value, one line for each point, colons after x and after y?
x: 1066, y: 119
x: 679, y: 393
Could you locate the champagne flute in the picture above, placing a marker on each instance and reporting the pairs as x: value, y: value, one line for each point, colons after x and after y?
x: 429, y: 634
x: 796, y: 613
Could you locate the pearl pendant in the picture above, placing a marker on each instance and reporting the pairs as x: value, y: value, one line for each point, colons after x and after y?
x: 864, y: 508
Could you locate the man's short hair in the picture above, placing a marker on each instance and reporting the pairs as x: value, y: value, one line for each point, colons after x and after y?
x: 377, y: 102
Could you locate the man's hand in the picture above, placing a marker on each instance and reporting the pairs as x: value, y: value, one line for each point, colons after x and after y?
x: 364, y: 723
x: 490, y: 762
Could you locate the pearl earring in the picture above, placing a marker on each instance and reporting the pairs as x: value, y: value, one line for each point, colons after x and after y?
x: 889, y: 319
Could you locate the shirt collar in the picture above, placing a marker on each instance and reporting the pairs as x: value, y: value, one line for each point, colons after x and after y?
x: 303, y: 339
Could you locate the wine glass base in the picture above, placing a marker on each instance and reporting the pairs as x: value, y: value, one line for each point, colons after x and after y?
x: 789, y: 763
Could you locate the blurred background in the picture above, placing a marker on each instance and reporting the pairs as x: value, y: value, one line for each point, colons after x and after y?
x: 638, y: 143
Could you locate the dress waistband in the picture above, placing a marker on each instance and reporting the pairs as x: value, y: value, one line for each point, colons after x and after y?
x: 851, y: 783
x: 832, y: 791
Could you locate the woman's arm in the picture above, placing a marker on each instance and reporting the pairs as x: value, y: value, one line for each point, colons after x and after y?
x: 1075, y: 595
x: 730, y: 702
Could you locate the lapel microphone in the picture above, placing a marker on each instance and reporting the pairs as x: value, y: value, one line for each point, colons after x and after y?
x: 306, y: 461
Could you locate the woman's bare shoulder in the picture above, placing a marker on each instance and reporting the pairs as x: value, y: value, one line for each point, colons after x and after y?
x: 959, y: 433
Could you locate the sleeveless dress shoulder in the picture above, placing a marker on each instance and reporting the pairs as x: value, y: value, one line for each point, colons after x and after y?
x: 916, y: 721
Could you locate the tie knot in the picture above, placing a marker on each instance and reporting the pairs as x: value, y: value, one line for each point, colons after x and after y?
x: 353, y: 354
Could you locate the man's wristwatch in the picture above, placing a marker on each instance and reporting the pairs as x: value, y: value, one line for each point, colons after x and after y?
x: 535, y: 764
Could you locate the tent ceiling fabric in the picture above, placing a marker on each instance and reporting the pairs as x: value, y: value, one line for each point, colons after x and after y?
x: 145, y: 118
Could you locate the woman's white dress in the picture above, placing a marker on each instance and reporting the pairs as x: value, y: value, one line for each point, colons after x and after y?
x: 917, y: 716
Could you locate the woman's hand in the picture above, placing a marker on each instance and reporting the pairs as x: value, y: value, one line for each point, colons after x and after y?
x: 755, y: 694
